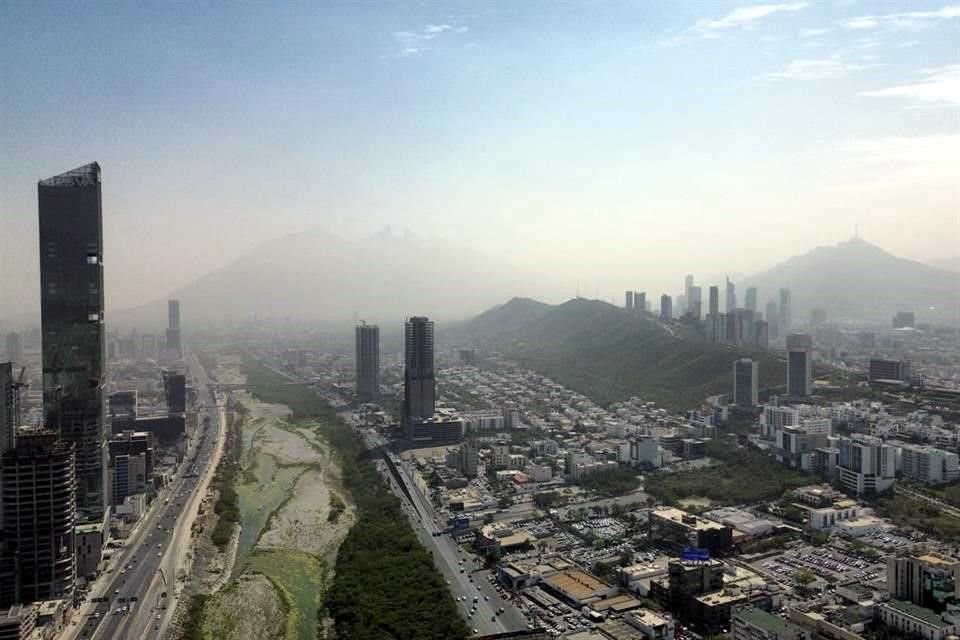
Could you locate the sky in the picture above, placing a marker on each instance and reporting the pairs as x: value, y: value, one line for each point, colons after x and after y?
x: 606, y: 142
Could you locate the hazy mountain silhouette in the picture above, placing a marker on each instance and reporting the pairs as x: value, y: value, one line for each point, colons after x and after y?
x: 316, y: 276
x: 608, y: 353
x: 860, y: 281
x: 947, y: 264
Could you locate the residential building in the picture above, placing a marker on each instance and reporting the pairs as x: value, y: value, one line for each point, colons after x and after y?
x: 501, y: 454
x: 130, y: 464
x: 640, y: 301
x: 774, y: 418
x: 38, y: 502
x: 367, y: 362
x: 746, y: 375
x: 929, y: 465
x: 751, y: 623
x: 645, y: 452
x: 866, y: 464
x: 71, y: 315
x: 773, y: 320
x: 750, y: 299
x: 930, y: 580
x: 628, y: 303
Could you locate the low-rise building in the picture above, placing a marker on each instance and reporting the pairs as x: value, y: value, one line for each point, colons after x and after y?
x: 18, y: 622
x: 751, y: 623
x: 917, y: 621
x: 680, y: 530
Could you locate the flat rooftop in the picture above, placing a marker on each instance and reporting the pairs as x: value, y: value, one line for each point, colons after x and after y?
x: 917, y: 612
x: 578, y: 584
x: 693, y: 522
x: 763, y: 620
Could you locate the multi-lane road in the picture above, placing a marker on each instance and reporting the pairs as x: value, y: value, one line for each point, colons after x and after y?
x: 478, y: 600
x: 137, y: 593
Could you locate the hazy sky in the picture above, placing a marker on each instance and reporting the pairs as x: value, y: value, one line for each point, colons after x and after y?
x: 611, y: 142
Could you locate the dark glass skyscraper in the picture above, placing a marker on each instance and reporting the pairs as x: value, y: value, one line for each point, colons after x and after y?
x: 173, y: 326
x: 71, y: 308
x: 419, y: 392
x: 368, y: 362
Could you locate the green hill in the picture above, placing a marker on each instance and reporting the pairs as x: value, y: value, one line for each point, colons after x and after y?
x: 609, y: 354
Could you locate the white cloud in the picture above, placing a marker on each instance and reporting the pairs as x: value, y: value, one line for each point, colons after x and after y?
x: 863, y: 22
x: 908, y: 20
x: 813, y: 33
x: 747, y: 17
x: 743, y: 18
x: 416, y: 42
x: 818, y: 69
x: 938, y: 86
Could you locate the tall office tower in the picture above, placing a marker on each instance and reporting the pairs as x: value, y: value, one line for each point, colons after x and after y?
x: 666, y: 308
x: 38, y: 485
x: 687, y: 283
x: 773, y: 320
x: 71, y: 314
x: 761, y: 333
x: 419, y: 392
x: 818, y: 317
x: 695, y: 302
x: 8, y: 408
x: 750, y: 299
x: 799, y: 373
x: 745, y: 321
x: 629, y: 301
x: 681, y: 304
x: 714, y: 300
x: 14, y: 347
x: 731, y: 296
x: 173, y: 327
x: 785, y: 311
x: 640, y: 301
x: 746, y: 373
x: 368, y: 362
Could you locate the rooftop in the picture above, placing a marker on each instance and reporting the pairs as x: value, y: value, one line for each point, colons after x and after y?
x: 917, y: 612
x: 578, y: 584
x: 686, y: 519
x: 763, y: 620
x: 86, y: 176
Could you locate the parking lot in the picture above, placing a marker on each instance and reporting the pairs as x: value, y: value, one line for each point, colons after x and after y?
x: 835, y: 563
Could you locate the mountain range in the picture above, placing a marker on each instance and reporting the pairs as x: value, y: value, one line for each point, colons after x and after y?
x: 315, y: 276
x: 610, y: 354
x: 856, y: 280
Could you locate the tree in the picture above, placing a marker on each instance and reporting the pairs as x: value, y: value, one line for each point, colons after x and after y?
x: 504, y: 502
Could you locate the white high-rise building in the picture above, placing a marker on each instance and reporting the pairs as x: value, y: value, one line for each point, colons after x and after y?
x: 929, y: 465
x: 866, y: 464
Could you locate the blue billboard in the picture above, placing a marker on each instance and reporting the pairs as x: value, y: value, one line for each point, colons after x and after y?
x: 693, y: 554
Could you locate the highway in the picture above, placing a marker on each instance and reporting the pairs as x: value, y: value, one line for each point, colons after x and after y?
x: 140, y: 585
x: 462, y: 571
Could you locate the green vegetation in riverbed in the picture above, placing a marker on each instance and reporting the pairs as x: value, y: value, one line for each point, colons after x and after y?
x: 385, y: 584
x: 226, y: 506
x: 301, y: 579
